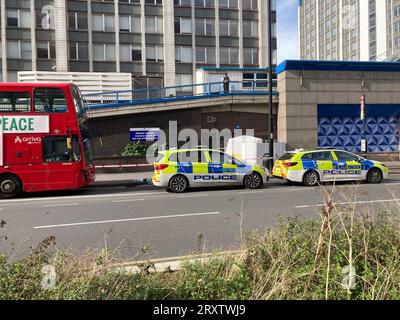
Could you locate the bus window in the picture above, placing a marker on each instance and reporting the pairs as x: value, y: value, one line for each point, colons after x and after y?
x: 50, y: 100
x: 55, y: 149
x: 15, y: 101
x: 77, y: 101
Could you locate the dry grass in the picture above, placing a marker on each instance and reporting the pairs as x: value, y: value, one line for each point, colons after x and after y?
x: 300, y: 259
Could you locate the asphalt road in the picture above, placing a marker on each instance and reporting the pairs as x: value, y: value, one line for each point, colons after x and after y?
x: 131, y: 219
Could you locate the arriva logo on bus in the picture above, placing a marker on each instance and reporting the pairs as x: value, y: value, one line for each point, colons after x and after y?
x: 24, y: 124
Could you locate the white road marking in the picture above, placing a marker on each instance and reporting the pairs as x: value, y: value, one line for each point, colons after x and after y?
x: 251, y: 192
x: 115, y: 195
x: 125, y: 220
x: 60, y: 205
x: 127, y: 200
x: 193, y: 196
x: 347, y: 203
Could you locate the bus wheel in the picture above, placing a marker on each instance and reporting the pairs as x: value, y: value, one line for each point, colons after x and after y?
x: 10, y: 186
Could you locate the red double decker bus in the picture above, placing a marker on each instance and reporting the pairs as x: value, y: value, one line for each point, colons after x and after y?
x: 44, y: 143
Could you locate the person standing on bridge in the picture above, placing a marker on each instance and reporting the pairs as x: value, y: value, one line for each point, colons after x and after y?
x: 226, y: 81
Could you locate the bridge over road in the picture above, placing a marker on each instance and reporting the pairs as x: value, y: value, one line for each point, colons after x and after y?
x: 197, y: 106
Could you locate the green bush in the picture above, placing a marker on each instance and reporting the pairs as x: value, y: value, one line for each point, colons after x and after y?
x: 135, y: 149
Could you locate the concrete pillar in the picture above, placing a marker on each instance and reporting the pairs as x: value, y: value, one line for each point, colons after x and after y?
x: 194, y: 53
x: 169, y: 43
x: 3, y: 39
x: 217, y: 33
x: 33, y: 35
x: 117, y: 49
x: 90, y: 35
x: 143, y: 25
x: 60, y: 15
x: 241, y: 53
x: 263, y: 29
x: 381, y: 30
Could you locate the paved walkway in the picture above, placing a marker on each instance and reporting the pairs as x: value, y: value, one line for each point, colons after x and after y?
x: 139, y: 177
x: 105, y: 177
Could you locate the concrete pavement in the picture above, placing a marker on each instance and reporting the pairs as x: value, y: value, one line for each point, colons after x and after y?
x: 145, y: 222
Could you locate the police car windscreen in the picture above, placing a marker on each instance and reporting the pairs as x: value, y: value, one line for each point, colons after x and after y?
x: 286, y: 156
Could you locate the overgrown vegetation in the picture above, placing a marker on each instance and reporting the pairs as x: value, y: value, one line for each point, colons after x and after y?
x: 135, y: 149
x: 300, y: 259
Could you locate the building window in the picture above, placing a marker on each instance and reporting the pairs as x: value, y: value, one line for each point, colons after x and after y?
x: 396, y: 11
x: 18, y: 18
x: 77, y: 21
x: 19, y: 50
x: 183, y: 26
x: 204, y: 3
x: 250, y: 28
x: 250, y: 5
x: 46, y: 50
x: 104, y: 52
x: 186, y: 81
x: 153, y: 1
x: 129, y: 1
x: 228, y: 28
x: 45, y: 18
x: 154, y: 53
x: 182, y: 3
x: 78, y: 51
x: 104, y: 23
x: 205, y: 55
x: 154, y: 25
x: 130, y: 24
x: 250, y: 56
x: 228, y: 4
x: 397, y: 42
x: 205, y: 27
x: 183, y: 54
x: 229, y: 55
x: 129, y: 53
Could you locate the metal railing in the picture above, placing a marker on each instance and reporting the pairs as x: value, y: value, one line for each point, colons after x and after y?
x: 181, y: 92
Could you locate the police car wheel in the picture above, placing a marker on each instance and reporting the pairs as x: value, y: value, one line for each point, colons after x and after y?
x: 374, y: 176
x: 253, y: 181
x: 10, y: 186
x: 311, y: 178
x: 178, y: 184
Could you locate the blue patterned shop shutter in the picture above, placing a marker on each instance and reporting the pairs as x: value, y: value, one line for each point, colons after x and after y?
x: 346, y: 133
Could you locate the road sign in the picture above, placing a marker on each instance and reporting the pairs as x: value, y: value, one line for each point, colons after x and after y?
x: 363, y: 145
x: 145, y: 134
x: 362, y: 107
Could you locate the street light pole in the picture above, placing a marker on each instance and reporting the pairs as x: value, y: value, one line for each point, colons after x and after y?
x: 271, y: 122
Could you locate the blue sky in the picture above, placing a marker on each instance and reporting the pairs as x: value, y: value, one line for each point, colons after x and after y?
x: 288, y: 47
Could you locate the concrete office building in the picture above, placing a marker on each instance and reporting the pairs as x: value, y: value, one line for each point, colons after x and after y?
x: 160, y: 42
x: 319, y: 105
x: 349, y: 29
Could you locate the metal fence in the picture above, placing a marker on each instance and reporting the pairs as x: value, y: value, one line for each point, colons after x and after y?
x: 182, y: 91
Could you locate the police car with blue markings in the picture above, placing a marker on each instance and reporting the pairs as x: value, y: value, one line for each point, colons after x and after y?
x: 178, y: 170
x: 314, y: 166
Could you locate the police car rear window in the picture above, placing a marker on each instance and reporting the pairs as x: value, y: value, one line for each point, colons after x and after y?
x: 287, y: 156
x: 324, y: 155
x: 188, y: 156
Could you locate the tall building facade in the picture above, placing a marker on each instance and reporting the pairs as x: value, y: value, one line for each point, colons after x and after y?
x: 160, y: 42
x: 365, y: 30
